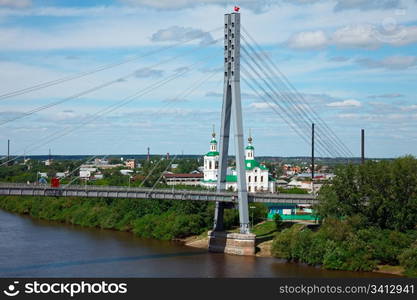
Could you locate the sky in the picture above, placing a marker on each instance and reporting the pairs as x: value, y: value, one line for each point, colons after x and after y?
x: 354, y: 61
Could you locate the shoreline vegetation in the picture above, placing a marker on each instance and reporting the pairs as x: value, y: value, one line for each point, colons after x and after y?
x: 368, y: 217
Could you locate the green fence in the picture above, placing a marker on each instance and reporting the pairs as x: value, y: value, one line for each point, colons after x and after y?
x: 307, y: 217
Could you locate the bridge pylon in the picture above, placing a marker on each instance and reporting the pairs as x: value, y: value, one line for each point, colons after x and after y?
x: 242, y: 243
x: 232, y: 111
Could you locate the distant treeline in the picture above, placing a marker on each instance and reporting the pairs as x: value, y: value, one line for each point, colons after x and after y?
x: 290, y: 159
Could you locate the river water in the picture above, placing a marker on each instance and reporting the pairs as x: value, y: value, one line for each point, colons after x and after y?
x: 34, y: 248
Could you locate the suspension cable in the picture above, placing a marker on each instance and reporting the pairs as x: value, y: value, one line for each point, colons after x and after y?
x: 96, y: 88
x: 292, y: 113
x: 98, y: 69
x: 335, y: 139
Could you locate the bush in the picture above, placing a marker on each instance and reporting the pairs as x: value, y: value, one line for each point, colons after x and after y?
x: 168, y: 226
x: 349, y: 255
x: 385, y: 245
x: 282, y: 244
x: 408, y: 259
x: 259, y: 212
x: 334, y: 245
x: 278, y: 222
x: 315, y: 255
x: 301, y: 245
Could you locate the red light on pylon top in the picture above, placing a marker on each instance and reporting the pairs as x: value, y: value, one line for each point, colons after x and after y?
x: 237, y: 8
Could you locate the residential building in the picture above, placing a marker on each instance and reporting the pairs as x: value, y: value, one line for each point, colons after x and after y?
x: 61, y: 174
x: 85, y: 174
x: 185, y: 179
x: 130, y: 163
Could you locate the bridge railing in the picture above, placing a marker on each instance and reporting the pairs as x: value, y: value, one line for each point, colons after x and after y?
x: 113, y: 188
x: 160, y: 193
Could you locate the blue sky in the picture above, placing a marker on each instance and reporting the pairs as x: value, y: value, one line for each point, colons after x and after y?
x: 353, y: 60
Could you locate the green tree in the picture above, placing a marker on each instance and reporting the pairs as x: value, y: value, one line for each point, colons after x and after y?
x: 278, y: 221
x: 384, y: 193
x: 408, y: 260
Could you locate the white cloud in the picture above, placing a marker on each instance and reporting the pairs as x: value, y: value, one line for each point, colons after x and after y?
x: 388, y: 96
x: 396, y: 62
x: 89, y: 34
x: 181, y: 34
x: 366, y: 4
x: 409, y: 108
x: 171, y: 4
x: 254, y: 5
x: 16, y: 3
x: 149, y: 73
x: 382, y: 119
x: 351, y: 116
x: 308, y: 40
x: 362, y: 35
x: 257, y: 5
x: 262, y: 105
x: 345, y: 103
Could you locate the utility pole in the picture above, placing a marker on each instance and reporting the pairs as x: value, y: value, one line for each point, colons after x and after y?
x: 312, y: 157
x: 148, y: 156
x: 8, y: 153
x: 363, y: 146
x: 232, y: 109
x: 312, y: 152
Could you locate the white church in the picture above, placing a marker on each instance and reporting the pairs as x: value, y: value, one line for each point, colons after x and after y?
x: 257, y: 175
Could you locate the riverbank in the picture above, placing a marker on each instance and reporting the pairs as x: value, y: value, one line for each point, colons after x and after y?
x: 265, y: 243
x: 157, y: 219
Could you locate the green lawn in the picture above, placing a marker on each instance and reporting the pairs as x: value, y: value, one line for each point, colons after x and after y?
x: 265, y: 230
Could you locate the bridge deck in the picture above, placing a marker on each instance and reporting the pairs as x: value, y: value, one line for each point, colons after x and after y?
x: 91, y: 191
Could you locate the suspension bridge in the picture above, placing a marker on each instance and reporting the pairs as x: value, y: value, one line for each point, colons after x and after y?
x: 92, y: 191
x: 260, y: 74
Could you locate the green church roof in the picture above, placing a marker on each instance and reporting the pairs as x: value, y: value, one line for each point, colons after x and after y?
x: 213, y: 141
x: 250, y: 148
x: 209, y: 180
x: 251, y: 163
x: 212, y: 153
x: 231, y: 178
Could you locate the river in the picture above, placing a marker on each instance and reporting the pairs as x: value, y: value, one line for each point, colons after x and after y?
x: 36, y: 248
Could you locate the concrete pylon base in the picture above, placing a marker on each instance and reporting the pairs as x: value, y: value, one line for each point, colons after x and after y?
x: 232, y: 243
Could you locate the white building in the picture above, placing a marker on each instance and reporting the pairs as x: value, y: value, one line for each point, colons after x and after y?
x: 61, y: 174
x: 85, y: 174
x: 126, y: 172
x: 101, y: 161
x: 88, y: 168
x: 257, y: 175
